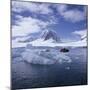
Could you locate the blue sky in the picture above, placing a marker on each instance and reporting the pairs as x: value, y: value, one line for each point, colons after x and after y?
x: 69, y: 21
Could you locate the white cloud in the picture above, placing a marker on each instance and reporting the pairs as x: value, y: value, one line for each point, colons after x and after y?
x: 26, y: 25
x: 32, y: 7
x: 73, y: 15
x: 61, y: 8
x: 81, y: 33
x: 76, y: 36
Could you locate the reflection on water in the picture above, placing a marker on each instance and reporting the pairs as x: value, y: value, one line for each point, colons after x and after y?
x: 25, y: 75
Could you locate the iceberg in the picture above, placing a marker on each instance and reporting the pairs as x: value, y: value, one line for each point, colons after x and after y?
x: 45, y: 58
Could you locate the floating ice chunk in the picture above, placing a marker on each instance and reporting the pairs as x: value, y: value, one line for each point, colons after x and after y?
x: 34, y: 58
x: 67, y: 68
x: 37, y: 56
x: 65, y: 58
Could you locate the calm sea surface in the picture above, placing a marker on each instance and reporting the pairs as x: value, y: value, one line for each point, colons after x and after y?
x: 26, y: 75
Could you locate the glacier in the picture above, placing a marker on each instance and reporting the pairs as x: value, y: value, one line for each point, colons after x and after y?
x: 49, y: 43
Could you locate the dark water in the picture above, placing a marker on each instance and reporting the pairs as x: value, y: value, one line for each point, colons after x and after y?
x: 25, y: 75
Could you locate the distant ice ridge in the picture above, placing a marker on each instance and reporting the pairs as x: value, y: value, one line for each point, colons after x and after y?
x: 48, y: 43
x: 50, y: 39
x: 39, y: 42
x: 45, y: 58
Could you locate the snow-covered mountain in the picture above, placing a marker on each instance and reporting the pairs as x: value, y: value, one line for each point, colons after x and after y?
x: 49, y: 34
x: 39, y: 42
x: 84, y: 37
x: 27, y: 38
x: 22, y: 41
x: 49, y: 38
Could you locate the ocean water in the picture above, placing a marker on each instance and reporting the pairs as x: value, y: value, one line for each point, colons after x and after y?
x: 25, y: 75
